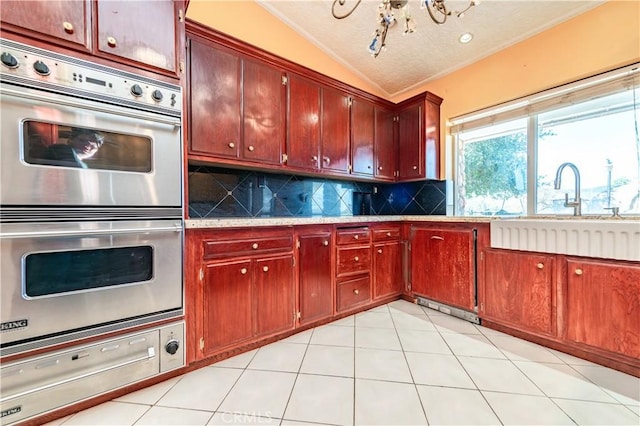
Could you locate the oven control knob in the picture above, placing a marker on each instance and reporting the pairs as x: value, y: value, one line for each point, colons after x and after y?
x: 172, y: 346
x: 156, y: 95
x: 9, y: 60
x: 41, y: 68
x: 136, y: 90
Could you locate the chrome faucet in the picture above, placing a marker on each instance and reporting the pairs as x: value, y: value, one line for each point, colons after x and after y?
x: 576, y: 203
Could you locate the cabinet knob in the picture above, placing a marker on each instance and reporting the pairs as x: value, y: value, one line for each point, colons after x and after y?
x: 578, y: 272
x: 415, y: 167
x: 243, y: 271
x: 357, y: 259
x: 326, y: 160
x: 356, y: 237
x: 251, y: 148
x: 232, y: 145
x: 68, y: 27
x: 540, y: 265
x: 314, y: 158
x: 380, y: 251
x: 325, y: 243
x: 265, y: 268
x: 254, y: 246
x: 388, y: 234
x: 111, y: 42
x: 356, y: 291
x: 379, y: 167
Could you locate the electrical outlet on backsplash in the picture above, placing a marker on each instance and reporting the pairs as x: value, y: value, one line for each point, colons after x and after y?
x: 217, y: 192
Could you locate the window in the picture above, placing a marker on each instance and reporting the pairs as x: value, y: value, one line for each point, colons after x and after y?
x: 507, y: 157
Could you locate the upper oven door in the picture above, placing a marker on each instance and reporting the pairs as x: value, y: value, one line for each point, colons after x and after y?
x: 69, y: 276
x: 58, y: 150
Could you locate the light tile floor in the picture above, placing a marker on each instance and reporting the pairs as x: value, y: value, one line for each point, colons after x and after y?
x: 399, y: 364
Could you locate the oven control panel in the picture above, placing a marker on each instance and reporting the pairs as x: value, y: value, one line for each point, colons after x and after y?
x: 28, y: 65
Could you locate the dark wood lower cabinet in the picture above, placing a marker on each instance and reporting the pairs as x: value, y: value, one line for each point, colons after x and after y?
x: 353, y: 292
x: 602, y: 305
x: 273, y: 295
x: 387, y: 269
x: 519, y: 290
x: 315, y: 285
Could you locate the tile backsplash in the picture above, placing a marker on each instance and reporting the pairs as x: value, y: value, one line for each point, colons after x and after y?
x: 217, y: 192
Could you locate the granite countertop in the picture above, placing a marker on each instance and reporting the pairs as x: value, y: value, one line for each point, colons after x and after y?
x: 288, y: 221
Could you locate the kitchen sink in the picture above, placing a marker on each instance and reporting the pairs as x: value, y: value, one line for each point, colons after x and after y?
x: 590, y: 236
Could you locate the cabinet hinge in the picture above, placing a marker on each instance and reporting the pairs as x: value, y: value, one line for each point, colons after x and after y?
x: 349, y: 101
x: 285, y: 157
x: 481, y: 255
x: 201, y: 274
x: 285, y: 80
x: 180, y: 15
x: 298, y: 316
x: 294, y: 261
x: 481, y: 306
x: 350, y: 168
x: 298, y: 243
x: 202, y: 343
x: 181, y: 67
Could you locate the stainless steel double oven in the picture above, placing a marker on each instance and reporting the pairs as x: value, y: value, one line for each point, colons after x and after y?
x: 91, y: 230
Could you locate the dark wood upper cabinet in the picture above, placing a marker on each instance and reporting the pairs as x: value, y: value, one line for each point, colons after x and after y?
x: 214, y: 106
x: 303, y: 140
x: 263, y: 112
x: 66, y: 22
x: 384, y: 147
x: 335, y: 131
x: 144, y: 34
x: 419, y: 138
x: 362, y: 136
x: 237, y: 106
x: 143, y: 31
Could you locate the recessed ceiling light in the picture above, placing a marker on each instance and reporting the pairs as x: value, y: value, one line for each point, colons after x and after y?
x: 465, y: 38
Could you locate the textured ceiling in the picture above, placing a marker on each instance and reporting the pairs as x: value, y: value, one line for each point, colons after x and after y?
x: 433, y: 50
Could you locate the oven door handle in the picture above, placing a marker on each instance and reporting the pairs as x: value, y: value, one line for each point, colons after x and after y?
x: 151, y: 353
x: 103, y: 231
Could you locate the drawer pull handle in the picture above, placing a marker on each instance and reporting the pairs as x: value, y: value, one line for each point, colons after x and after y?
x: 355, y: 237
x: 243, y: 271
x: 265, y: 268
x: 325, y: 243
x: 356, y: 258
x: 254, y: 246
x: 578, y: 272
x: 68, y: 27
x: 437, y: 237
x: 111, y: 41
x: 540, y: 265
x: 356, y: 291
x: 380, y: 251
x: 251, y: 148
x: 232, y: 145
x: 388, y: 234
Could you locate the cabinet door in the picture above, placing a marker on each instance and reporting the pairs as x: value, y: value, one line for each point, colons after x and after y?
x: 316, y: 298
x: 214, y: 93
x: 385, y: 150
x: 335, y: 131
x: 432, y: 140
x: 519, y: 290
x: 273, y: 295
x: 303, y: 140
x: 362, y: 135
x: 602, y: 305
x: 227, y: 313
x: 411, y: 160
x: 264, y: 113
x: 143, y: 31
x: 442, y: 266
x: 387, y: 269
x: 65, y: 20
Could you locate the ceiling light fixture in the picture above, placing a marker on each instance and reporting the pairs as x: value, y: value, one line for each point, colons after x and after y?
x: 465, y: 38
x: 386, y: 17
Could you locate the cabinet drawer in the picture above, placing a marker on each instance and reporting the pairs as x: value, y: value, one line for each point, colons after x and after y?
x: 358, y: 235
x: 353, y: 292
x: 247, y: 246
x: 386, y: 234
x: 353, y: 260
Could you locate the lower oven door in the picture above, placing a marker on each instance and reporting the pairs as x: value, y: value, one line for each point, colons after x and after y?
x: 73, y: 277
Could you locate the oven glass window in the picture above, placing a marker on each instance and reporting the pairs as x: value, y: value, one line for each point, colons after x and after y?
x: 81, y: 147
x: 53, y: 273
